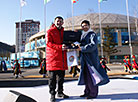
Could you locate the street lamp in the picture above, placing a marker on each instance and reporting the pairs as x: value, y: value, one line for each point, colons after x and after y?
x: 129, y: 30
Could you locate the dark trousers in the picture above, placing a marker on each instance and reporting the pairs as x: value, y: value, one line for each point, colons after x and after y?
x: 56, y: 77
x: 90, y: 89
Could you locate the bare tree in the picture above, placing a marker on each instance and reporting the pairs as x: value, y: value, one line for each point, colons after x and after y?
x: 109, y: 43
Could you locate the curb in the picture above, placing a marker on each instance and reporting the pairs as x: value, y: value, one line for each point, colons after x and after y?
x: 41, y: 76
x: 70, y: 76
x: 119, y: 73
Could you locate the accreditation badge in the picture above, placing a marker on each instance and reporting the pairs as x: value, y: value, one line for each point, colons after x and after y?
x: 72, y: 58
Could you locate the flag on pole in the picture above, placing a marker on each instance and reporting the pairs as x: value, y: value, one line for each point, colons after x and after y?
x: 101, y: 0
x: 23, y: 3
x: 74, y: 1
x: 46, y: 1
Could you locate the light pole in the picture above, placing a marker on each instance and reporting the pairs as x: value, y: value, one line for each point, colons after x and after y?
x: 129, y: 30
x: 100, y: 27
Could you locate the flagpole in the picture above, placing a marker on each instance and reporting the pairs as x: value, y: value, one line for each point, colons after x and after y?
x: 45, y: 25
x: 129, y: 30
x: 20, y: 32
x: 44, y: 18
x: 72, y: 18
x: 99, y: 9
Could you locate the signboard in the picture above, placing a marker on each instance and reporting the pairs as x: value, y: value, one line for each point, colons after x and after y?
x: 72, y: 59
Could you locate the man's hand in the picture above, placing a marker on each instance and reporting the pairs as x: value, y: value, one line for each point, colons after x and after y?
x: 64, y: 47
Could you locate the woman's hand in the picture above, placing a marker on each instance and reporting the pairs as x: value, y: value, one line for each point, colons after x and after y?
x: 79, y: 48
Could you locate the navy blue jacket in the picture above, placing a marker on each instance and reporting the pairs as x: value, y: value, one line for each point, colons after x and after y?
x: 89, y: 56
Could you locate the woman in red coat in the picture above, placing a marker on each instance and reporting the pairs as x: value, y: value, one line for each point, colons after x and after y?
x: 56, y: 59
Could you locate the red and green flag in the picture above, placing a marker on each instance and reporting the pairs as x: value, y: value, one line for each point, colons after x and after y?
x: 74, y: 1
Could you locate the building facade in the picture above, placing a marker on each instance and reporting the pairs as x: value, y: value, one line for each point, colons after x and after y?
x: 118, y: 26
x: 115, y: 22
x: 28, y: 28
x: 37, y: 43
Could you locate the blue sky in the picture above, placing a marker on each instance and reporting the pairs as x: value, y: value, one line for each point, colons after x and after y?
x: 10, y: 12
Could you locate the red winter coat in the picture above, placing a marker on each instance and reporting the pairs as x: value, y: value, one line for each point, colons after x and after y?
x: 56, y: 59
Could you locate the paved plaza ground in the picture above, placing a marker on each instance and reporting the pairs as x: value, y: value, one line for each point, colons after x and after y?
x: 123, y: 87
x: 118, y: 90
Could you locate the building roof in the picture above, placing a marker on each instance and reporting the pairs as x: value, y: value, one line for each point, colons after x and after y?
x: 106, y: 19
x: 29, y: 21
x: 112, y: 20
x: 6, y: 48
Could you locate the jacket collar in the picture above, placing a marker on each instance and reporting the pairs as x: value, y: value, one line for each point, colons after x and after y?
x: 53, y: 27
x: 83, y: 32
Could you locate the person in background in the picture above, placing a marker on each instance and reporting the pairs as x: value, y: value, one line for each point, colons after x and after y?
x: 127, y: 64
x: 91, y: 74
x: 103, y: 63
x: 17, y: 69
x: 0, y: 66
x: 3, y: 64
x: 134, y: 64
x: 73, y: 70
x: 56, y: 59
x: 43, y: 70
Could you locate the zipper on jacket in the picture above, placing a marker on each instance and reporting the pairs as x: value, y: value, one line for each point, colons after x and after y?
x: 62, y: 51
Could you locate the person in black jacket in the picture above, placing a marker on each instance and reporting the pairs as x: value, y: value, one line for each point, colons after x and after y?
x: 43, y: 70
